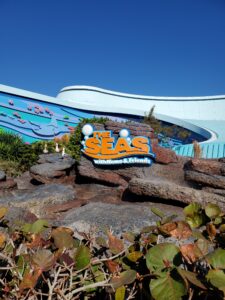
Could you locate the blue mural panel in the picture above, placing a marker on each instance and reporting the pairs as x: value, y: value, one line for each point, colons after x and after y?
x: 37, y: 120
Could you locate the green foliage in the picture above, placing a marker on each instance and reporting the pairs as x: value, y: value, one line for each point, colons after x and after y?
x: 217, y: 279
x: 17, y: 156
x: 49, y: 263
x: 82, y: 257
x: 163, y: 256
x: 167, y: 287
x: 194, y: 216
x: 11, y: 168
x: 74, y: 144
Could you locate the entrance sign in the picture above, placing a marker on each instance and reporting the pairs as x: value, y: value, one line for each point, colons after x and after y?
x: 106, y: 149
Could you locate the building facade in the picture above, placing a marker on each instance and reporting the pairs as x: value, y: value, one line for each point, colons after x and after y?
x: 40, y: 117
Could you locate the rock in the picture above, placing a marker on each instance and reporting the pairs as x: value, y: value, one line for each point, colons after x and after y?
x: 53, y: 168
x: 2, y: 175
x: 164, y: 155
x: 46, y: 171
x: 215, y: 181
x: 172, y: 172
x: 205, y: 166
x: 97, y: 192
x: 135, y: 128
x: 18, y: 215
x: 9, y: 183
x: 123, y: 174
x: 38, y: 199
x: 56, y: 158
x: 120, y: 218
x: 24, y: 181
x: 214, y: 191
x: 87, y: 170
x: 162, y: 190
x: 99, y: 126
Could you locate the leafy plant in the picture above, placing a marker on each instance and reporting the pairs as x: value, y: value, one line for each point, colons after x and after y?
x: 74, y: 144
x: 41, y: 262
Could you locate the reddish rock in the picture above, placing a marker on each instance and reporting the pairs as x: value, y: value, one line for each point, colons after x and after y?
x: 56, y: 211
x: 9, y: 183
x: 214, y: 191
x: 60, y: 179
x: 97, y: 192
x: 214, y: 181
x: 24, y: 181
x: 18, y: 215
x: 165, y: 190
x: 210, y: 167
x: 164, y: 155
x: 109, y: 175
x: 135, y: 128
x: 172, y: 172
x: 87, y: 170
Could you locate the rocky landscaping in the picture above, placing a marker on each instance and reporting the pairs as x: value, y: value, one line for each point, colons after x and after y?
x: 124, y: 217
x: 56, y: 187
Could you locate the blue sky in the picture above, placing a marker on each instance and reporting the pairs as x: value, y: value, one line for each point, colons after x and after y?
x: 151, y: 47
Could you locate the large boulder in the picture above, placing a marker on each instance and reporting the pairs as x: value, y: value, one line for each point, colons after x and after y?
x: 119, y: 218
x: 53, y: 168
x: 120, y: 175
x: 39, y: 199
x: 172, y: 172
x: 93, y: 192
x: 87, y: 170
x: 162, y: 190
x: 206, y: 166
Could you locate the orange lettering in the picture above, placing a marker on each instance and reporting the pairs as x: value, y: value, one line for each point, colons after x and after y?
x: 101, y: 134
x: 107, y: 144
x: 122, y: 146
x: 93, y: 146
x: 141, y: 144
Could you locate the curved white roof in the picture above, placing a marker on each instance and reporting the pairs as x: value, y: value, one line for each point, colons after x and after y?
x: 204, y: 114
x: 126, y: 95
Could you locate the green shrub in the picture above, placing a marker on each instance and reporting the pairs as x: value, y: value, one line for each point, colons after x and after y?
x: 11, y: 168
x: 74, y: 146
x: 14, y: 152
x: 38, y: 261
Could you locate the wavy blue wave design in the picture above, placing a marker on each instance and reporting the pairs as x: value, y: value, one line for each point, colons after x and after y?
x: 37, y: 120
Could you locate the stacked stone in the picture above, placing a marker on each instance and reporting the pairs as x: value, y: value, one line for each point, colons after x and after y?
x: 208, y: 174
x: 135, y: 128
x: 53, y: 168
